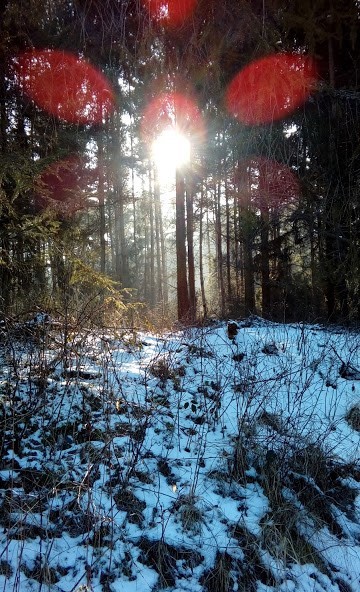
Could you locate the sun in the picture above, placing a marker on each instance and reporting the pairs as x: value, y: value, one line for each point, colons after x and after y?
x: 170, y: 151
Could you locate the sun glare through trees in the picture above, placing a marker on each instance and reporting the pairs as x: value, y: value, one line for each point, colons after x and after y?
x: 179, y: 295
x: 170, y: 151
x: 262, y: 112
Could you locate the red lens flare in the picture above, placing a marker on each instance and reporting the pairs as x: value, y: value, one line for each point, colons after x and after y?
x: 266, y: 183
x: 65, y: 86
x: 171, y: 13
x: 271, y: 88
x: 63, y: 186
x: 172, y: 110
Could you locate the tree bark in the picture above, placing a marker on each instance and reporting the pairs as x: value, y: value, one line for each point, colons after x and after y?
x: 152, y: 243
x: 190, y: 247
x: 181, y: 255
x: 228, y: 244
x: 101, y: 198
x: 201, y: 261
x: 265, y: 264
x: 219, y: 253
x: 163, y: 286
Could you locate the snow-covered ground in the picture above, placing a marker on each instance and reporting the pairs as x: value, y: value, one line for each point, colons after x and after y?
x: 192, y: 461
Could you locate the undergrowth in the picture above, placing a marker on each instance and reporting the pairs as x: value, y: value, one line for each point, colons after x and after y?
x: 114, y: 443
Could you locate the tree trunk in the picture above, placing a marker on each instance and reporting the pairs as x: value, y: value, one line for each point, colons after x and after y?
x: 219, y: 254
x: 237, y: 254
x: 101, y: 198
x: 133, y: 198
x: 265, y: 264
x: 246, y: 229
x: 249, y: 273
x: 152, y: 244
x: 5, y: 274
x: 181, y: 255
x: 163, y: 286
x: 158, y: 222
x: 201, y: 261
x: 228, y: 244
x: 190, y: 246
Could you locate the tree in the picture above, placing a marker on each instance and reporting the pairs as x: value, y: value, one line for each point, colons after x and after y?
x: 72, y: 183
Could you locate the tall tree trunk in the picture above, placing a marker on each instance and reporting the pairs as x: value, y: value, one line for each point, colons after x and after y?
x: 249, y: 271
x: 146, y: 285
x: 190, y: 246
x: 181, y: 255
x: 152, y: 301
x: 237, y: 252
x: 265, y: 264
x: 246, y: 230
x: 121, y: 267
x: 336, y: 204
x: 133, y: 197
x: 163, y: 280
x: 5, y: 273
x: 201, y: 258
x: 101, y: 198
x: 219, y: 254
x: 158, y: 223
x: 3, y: 84
x: 228, y: 243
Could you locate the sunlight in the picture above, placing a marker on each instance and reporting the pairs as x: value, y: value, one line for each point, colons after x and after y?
x: 170, y: 150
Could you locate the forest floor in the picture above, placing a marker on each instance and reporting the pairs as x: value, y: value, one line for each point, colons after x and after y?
x: 223, y: 458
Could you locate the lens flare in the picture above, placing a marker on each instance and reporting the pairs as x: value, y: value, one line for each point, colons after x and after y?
x: 271, y: 88
x: 63, y: 185
x: 64, y: 86
x: 172, y: 110
x: 266, y: 183
x: 171, y: 13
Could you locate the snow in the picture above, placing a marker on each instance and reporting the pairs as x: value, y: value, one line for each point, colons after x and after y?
x: 137, y: 463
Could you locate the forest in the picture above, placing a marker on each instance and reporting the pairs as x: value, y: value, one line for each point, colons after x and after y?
x: 180, y: 160
x: 179, y: 296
